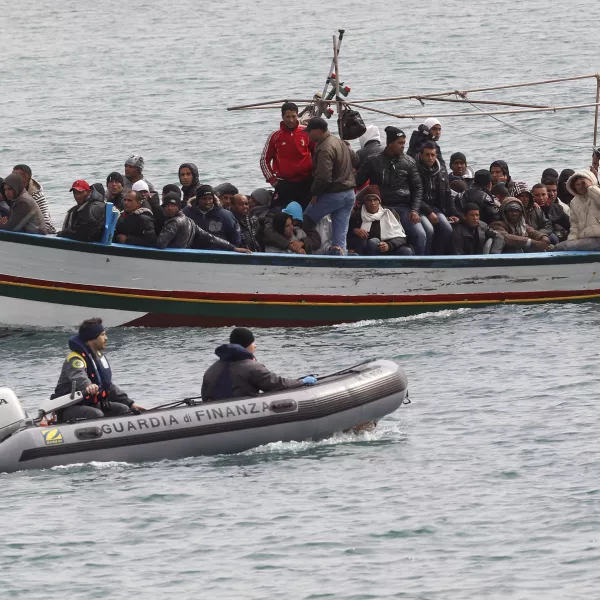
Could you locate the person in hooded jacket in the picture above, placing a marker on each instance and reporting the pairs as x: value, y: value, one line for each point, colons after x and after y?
x: 85, y: 221
x: 585, y: 213
x: 4, y: 207
x: 25, y: 214
x: 136, y: 223
x: 429, y: 131
x: 460, y: 170
x: 480, y: 193
x: 370, y: 145
x: 518, y: 236
x: 189, y: 178
x: 260, y: 204
x: 375, y: 230
x: 472, y: 236
x: 237, y: 373
x: 299, y: 237
x: 438, y: 202
x: 564, y: 195
x: 35, y: 190
x: 534, y: 215
x: 212, y: 218
x: 501, y: 174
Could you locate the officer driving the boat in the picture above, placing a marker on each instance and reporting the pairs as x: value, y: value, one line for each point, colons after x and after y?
x: 88, y: 368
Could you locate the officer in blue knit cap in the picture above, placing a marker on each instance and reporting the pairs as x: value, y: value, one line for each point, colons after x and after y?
x: 88, y: 367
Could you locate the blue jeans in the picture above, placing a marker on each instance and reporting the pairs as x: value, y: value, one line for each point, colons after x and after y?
x: 415, y: 232
x: 338, y: 205
x: 438, y: 236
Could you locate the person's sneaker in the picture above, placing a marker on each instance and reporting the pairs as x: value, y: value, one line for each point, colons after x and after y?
x: 336, y: 251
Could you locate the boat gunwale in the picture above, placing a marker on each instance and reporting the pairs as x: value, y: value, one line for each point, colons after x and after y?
x: 312, y: 260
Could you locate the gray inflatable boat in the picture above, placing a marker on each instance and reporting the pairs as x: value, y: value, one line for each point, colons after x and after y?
x: 338, y: 402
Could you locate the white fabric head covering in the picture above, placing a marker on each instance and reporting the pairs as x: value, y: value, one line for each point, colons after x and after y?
x: 372, y: 133
x: 431, y: 122
x: 140, y: 186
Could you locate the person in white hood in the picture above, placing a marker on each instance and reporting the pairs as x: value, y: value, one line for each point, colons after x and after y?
x: 585, y: 213
x: 370, y: 143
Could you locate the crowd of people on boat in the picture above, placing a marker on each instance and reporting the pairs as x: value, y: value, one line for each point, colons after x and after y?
x: 325, y: 198
x: 86, y: 369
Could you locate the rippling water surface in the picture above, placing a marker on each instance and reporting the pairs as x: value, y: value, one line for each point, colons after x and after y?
x: 486, y: 486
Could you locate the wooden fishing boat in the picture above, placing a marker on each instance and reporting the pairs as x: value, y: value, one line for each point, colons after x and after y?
x: 49, y: 282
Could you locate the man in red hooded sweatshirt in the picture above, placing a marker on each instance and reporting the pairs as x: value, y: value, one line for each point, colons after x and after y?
x: 286, y: 160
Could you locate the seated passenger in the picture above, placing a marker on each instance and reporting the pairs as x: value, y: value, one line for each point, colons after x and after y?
x: 115, y: 193
x: 180, y: 231
x: 518, y: 236
x: 499, y: 192
x: 375, y: 230
x: 150, y: 200
x: 225, y: 193
x: 249, y: 225
x: 552, y: 189
x: 437, y: 206
x: 4, y: 207
x: 564, y: 195
x: 585, y: 213
x: 291, y: 231
x: 479, y: 193
x: 35, y: 190
x: 190, y: 180
x: 501, y: 174
x: 460, y: 170
x: 238, y: 374
x: 260, y: 204
x: 534, y: 215
x: 85, y: 221
x: 136, y: 223
x: 25, y: 215
x: 553, y: 211
x: 472, y: 236
x: 88, y: 367
x: 212, y: 218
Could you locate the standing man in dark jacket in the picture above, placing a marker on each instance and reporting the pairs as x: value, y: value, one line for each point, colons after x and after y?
x: 136, y: 223
x: 85, y: 221
x: 249, y: 225
x: 286, y: 160
x: 429, y: 131
x: 25, y: 214
x: 238, y: 374
x: 134, y: 167
x: 333, y: 185
x: 472, y: 236
x: 212, y: 218
x: 399, y: 181
x: 438, y: 203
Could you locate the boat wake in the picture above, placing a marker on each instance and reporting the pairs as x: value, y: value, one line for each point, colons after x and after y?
x: 92, y: 465
x: 442, y: 314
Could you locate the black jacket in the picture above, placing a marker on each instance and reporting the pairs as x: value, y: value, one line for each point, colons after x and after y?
x: 470, y: 240
x: 561, y: 224
x: 371, y: 148
x: 85, y: 222
x: 250, y: 232
x: 397, y: 177
x: 138, y: 227
x: 354, y: 242
x: 488, y: 210
x: 417, y: 139
x: 436, y: 190
x: 177, y: 232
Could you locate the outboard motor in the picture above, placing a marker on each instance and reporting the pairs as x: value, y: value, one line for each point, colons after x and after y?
x: 12, y: 415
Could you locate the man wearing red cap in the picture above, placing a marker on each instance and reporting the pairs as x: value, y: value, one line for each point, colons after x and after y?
x: 85, y: 221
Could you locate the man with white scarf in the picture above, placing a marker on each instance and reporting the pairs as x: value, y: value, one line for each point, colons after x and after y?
x: 375, y: 230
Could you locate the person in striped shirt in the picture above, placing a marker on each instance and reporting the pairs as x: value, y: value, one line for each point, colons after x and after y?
x: 35, y: 190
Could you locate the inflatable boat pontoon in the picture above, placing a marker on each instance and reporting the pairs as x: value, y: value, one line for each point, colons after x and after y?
x: 340, y: 401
